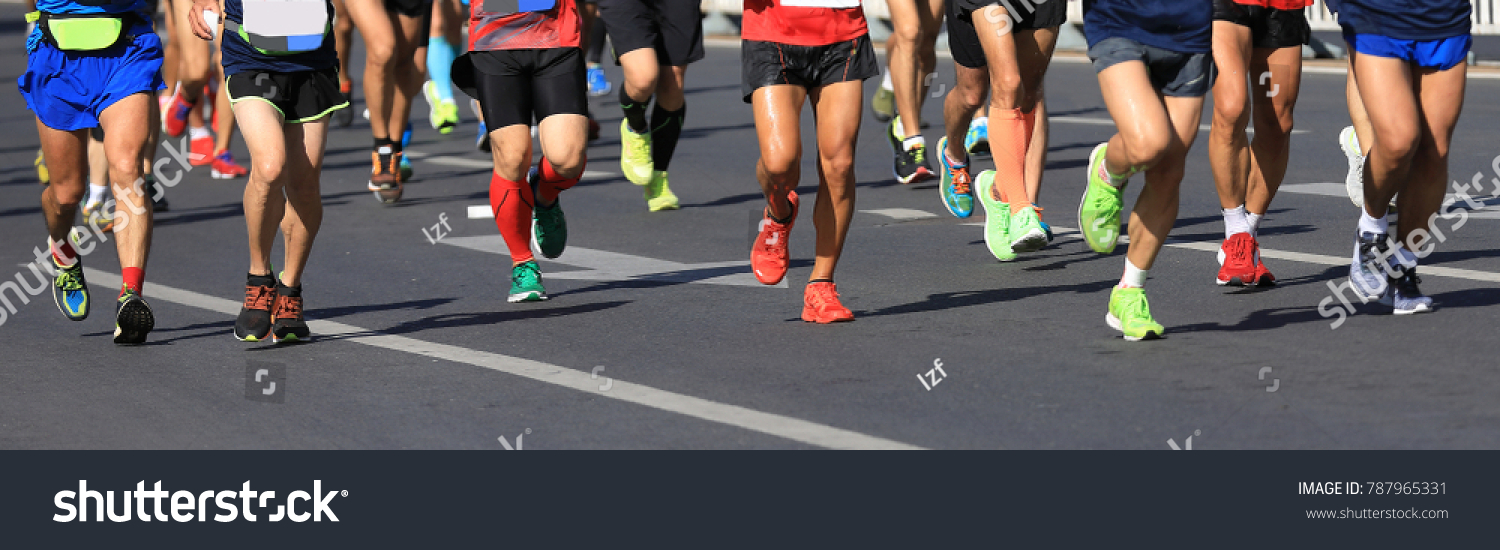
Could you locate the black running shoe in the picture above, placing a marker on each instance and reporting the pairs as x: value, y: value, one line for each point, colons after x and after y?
x: 133, y: 319
x: 911, y: 164
x: 343, y: 118
x: 288, y: 325
x: 254, y: 321
x: 158, y: 195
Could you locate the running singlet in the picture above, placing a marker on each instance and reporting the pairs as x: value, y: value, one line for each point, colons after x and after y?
x: 240, y: 56
x: 803, y: 22
x: 523, y: 25
x: 1183, y: 26
x: 74, y: 7
x: 1276, y: 4
x: 1407, y: 19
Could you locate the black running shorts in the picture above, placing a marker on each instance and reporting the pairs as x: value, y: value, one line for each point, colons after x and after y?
x: 771, y: 63
x: 963, y: 39
x: 409, y: 8
x: 300, y: 97
x: 674, y: 28
x: 1269, y: 28
x: 523, y: 86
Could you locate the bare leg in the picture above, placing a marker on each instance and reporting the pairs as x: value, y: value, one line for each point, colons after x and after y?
x: 836, y: 110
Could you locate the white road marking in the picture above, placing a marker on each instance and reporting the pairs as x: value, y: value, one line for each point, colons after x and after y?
x: 600, y: 265
x: 481, y: 212
x: 461, y: 162
x: 777, y: 425
x: 902, y: 214
x: 1337, y: 190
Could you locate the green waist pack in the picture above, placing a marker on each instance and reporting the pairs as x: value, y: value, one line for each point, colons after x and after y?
x: 80, y: 33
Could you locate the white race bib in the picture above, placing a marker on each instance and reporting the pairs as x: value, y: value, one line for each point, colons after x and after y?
x: 286, y: 26
x: 834, y: 4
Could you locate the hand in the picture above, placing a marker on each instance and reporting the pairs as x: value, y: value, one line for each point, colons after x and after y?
x: 195, y: 18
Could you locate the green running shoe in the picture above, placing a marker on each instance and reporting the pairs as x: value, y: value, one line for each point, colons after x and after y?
x: 635, y: 155
x: 883, y: 104
x: 1099, y: 212
x: 658, y: 196
x: 1129, y: 313
x: 526, y: 283
x: 70, y: 291
x: 133, y: 319
x: 549, y: 229
x: 996, y: 218
x: 1026, y: 233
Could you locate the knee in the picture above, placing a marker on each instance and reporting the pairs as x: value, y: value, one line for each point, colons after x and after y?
x: 837, y: 163
x: 907, y: 33
x: 126, y: 169
x: 1400, y: 144
x: 268, y: 172
x: 782, y: 169
x: 1274, y: 123
x: 1229, y: 114
x: 1148, y: 150
x: 1006, y: 89
x: 382, y: 58
x: 969, y: 95
x: 569, y: 165
x: 66, y: 195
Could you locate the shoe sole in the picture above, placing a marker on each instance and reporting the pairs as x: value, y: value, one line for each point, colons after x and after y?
x: 138, y: 322
x: 529, y: 296
x: 1031, y: 242
x: 1114, y: 323
x: 1423, y: 309
x: 824, y: 320
x: 386, y: 196
x: 294, y: 335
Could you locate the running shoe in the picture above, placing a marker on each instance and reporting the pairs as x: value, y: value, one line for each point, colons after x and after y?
x: 598, y: 83
x: 1354, y: 181
x: 158, y: 195
x: 820, y: 304
x: 343, y: 118
x: 1099, y: 211
x: 635, y: 155
x: 1263, y: 276
x: 955, y: 188
x: 1366, y: 274
x: 1130, y: 314
x: 42, y: 174
x: 286, y: 315
x: 1044, y: 225
x: 593, y: 129
x: 175, y: 116
x: 768, y: 257
x: 1406, y: 298
x: 383, y: 179
x: 482, y: 141
x: 996, y: 218
x: 883, y: 105
x: 224, y: 167
x: 526, y: 283
x: 549, y: 229
x: 133, y: 318
x: 442, y: 114
x: 910, y: 162
x: 70, y: 292
x: 1238, y: 267
x: 1025, y: 232
x: 254, y: 321
x: 403, y: 167
x: 977, y: 139
x: 96, y: 215
x: 201, y: 151
x: 659, y: 196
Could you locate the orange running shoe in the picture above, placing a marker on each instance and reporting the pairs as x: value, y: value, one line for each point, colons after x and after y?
x: 820, y: 304
x: 768, y: 257
x: 385, y: 178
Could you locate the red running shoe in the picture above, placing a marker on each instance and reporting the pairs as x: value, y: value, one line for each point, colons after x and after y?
x: 820, y: 304
x: 201, y: 151
x: 1239, y: 261
x: 768, y: 257
x: 1263, y: 276
x: 224, y: 167
x: 176, y: 115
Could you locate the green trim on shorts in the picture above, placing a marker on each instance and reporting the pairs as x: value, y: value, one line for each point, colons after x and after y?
x: 318, y: 116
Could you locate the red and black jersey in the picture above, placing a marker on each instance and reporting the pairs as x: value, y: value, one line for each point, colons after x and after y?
x: 803, y: 22
x: 556, y: 27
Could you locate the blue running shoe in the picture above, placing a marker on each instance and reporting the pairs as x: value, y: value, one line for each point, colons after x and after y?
x: 70, y: 291
x: 598, y: 83
x: 1048, y: 229
x: 406, y: 136
x: 956, y: 186
x: 977, y: 139
x: 482, y: 142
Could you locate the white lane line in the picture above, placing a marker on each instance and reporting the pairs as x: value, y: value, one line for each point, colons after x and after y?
x: 901, y: 214
x: 1111, y: 122
x: 1337, y: 190
x: 786, y: 427
x: 461, y: 162
x: 481, y: 212
x: 600, y: 265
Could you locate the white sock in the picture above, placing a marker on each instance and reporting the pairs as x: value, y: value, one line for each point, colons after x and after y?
x: 885, y: 84
x: 1234, y: 221
x: 1253, y: 220
x: 1369, y: 224
x: 1135, y: 277
x: 913, y: 142
x: 97, y: 193
x: 980, y: 122
x: 199, y: 132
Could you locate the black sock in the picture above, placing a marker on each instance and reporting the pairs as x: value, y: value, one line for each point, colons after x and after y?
x: 288, y: 291
x: 260, y: 280
x: 820, y: 281
x: 666, y: 127
x: 635, y: 113
x: 383, y: 142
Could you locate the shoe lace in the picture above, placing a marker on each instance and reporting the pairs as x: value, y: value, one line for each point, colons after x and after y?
x: 288, y: 307
x: 918, y: 155
x: 962, y: 181
x: 1135, y: 307
x: 525, y: 275
x: 259, y: 297
x: 773, y: 237
x: 1238, y: 250
x: 823, y: 296
x: 640, y: 154
x: 68, y: 280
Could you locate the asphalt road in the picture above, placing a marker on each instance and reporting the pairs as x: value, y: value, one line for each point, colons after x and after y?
x: 418, y: 348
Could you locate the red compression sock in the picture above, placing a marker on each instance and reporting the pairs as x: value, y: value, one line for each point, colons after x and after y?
x: 511, y: 202
x: 552, y: 184
x: 135, y: 279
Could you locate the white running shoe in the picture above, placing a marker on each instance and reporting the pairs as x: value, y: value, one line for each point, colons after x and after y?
x: 1354, y: 181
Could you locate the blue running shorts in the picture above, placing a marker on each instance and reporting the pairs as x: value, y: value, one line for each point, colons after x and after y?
x: 69, y: 90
